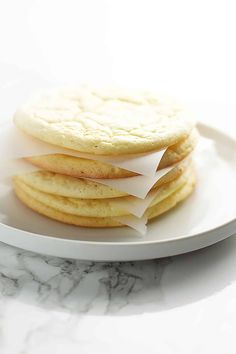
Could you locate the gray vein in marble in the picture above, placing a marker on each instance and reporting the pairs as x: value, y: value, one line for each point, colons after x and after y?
x: 78, y: 286
x: 89, y: 288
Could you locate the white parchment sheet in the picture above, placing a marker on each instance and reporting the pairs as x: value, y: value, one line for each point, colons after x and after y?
x: 138, y: 186
x: 138, y: 224
x: 133, y: 205
x: 16, y: 144
x: 137, y: 207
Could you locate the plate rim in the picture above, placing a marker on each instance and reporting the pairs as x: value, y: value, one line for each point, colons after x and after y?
x: 143, y: 242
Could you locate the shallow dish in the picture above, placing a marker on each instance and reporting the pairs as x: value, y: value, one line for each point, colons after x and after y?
x: 206, y: 217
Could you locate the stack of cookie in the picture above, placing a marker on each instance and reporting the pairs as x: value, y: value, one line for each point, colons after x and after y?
x: 111, y: 123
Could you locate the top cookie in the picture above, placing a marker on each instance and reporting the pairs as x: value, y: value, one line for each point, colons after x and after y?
x: 105, y: 122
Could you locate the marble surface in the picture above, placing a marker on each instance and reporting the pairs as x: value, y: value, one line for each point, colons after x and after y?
x: 184, y: 304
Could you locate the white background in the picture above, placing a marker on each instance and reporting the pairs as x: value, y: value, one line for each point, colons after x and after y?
x: 183, y: 47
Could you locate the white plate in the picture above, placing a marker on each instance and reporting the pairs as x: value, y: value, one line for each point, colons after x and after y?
x: 208, y: 216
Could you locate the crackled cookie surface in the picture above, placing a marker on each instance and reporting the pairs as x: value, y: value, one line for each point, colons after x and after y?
x: 106, y: 122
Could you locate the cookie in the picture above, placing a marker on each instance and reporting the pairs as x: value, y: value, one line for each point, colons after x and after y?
x: 105, y: 122
x: 66, y: 186
x: 98, y: 207
x: 80, y: 167
x: 156, y: 210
